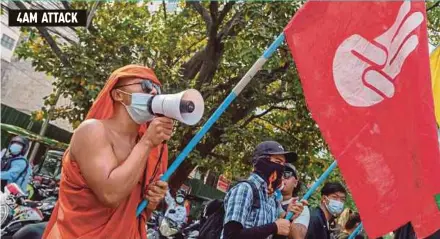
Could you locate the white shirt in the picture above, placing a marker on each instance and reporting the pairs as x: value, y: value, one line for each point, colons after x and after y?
x: 179, y: 216
x: 303, y: 218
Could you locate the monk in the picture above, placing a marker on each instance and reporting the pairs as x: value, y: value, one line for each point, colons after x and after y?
x: 114, y: 161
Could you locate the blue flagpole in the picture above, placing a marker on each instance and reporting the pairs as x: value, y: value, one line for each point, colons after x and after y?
x: 356, y: 231
x: 315, y: 186
x: 216, y: 115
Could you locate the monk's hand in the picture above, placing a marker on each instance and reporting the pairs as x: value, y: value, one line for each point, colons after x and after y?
x: 156, y: 192
x: 159, y: 130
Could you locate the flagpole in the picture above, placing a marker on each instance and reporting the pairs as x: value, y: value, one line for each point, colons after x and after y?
x: 356, y: 231
x: 315, y: 186
x: 218, y: 112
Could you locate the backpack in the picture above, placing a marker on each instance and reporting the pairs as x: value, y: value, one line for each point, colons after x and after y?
x: 214, y: 214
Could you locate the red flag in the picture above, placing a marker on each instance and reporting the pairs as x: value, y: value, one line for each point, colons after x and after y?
x: 364, y: 68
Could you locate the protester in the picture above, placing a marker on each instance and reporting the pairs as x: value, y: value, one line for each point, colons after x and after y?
x: 353, y: 221
x: 176, y: 210
x: 332, y: 204
x: 15, y: 167
x: 113, y: 162
x: 244, y: 220
x: 298, y: 229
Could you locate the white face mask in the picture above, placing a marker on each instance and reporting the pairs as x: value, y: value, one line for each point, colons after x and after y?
x: 335, y: 207
x: 138, y: 109
x: 179, y: 200
x: 15, y: 149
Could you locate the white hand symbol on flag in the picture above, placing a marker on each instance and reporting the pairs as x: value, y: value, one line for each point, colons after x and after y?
x: 364, y: 72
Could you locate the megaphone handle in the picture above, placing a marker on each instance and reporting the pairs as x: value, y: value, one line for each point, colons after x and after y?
x: 161, y: 115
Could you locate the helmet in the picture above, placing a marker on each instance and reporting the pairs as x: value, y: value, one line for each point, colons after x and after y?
x: 20, y: 140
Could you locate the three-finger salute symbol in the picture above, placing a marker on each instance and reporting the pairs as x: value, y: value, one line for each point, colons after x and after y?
x: 364, y: 71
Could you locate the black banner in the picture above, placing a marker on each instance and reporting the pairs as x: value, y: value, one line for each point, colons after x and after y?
x: 47, y: 18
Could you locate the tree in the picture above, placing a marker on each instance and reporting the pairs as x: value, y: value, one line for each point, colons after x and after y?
x: 433, y: 10
x: 208, y: 46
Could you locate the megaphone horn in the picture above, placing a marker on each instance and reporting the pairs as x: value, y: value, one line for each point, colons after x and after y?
x: 187, y: 106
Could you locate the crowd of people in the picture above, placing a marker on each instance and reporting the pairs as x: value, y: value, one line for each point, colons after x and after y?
x: 274, y: 170
x: 117, y: 155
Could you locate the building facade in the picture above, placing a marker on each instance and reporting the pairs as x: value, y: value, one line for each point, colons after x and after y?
x: 22, y: 87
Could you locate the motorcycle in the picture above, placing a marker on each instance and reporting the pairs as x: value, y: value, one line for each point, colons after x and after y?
x: 17, y: 212
x: 46, y: 207
x: 152, y: 226
x: 191, y: 231
x: 43, y: 187
x: 161, y: 227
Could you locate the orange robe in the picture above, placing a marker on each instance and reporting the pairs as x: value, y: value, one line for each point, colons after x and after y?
x: 78, y: 213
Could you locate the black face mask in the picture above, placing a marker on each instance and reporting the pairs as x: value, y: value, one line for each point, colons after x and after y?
x: 271, y: 172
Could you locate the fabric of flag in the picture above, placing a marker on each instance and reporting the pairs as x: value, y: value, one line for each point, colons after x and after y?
x: 364, y: 68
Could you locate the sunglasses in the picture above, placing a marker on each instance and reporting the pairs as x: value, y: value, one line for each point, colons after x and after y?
x: 147, y: 86
x: 288, y: 174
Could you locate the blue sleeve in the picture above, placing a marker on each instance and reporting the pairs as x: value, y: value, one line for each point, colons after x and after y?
x: 17, y: 167
x: 238, y: 203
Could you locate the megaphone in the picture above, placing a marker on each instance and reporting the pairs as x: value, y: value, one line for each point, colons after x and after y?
x: 187, y: 106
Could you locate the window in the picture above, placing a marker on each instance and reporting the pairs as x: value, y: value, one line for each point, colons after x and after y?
x: 8, y: 42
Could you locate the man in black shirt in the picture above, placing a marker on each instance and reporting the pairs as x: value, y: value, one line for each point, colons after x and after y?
x: 332, y: 204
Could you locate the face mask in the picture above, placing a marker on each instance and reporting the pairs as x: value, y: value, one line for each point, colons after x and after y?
x: 15, y: 148
x: 179, y: 200
x: 138, y: 109
x: 271, y: 172
x: 335, y: 207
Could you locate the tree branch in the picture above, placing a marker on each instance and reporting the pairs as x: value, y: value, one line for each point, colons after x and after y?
x: 227, y: 29
x: 213, y: 10
x: 187, y: 51
x: 281, y: 128
x: 164, y: 9
x: 274, y: 125
x: 218, y: 156
x: 62, y: 36
x: 203, y: 12
x: 271, y: 108
x: 433, y: 6
x: 193, y: 65
x: 225, y: 11
x: 53, y: 45
x: 66, y: 5
x: 45, y: 34
x: 92, y: 13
